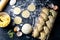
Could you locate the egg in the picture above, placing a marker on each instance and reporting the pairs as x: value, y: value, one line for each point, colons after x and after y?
x: 26, y: 29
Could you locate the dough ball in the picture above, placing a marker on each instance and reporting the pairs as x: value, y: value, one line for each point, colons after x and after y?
x: 31, y: 7
x: 16, y: 10
x: 17, y: 20
x: 45, y: 10
x: 25, y: 14
x: 44, y: 16
x: 35, y: 33
x: 27, y: 28
x: 4, y: 19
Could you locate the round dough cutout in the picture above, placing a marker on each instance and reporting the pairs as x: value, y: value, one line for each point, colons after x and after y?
x: 16, y: 10
x: 31, y: 7
x: 25, y: 14
x: 17, y: 20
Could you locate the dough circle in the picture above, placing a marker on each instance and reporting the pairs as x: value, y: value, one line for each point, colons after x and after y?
x: 16, y: 10
x: 17, y: 20
x: 31, y: 7
x: 4, y: 19
x: 27, y: 28
x: 25, y: 14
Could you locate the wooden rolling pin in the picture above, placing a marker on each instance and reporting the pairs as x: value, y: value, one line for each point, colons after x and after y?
x: 3, y: 4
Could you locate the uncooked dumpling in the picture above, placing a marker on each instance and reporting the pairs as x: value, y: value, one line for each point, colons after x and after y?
x: 46, y: 29
x: 39, y: 27
x: 41, y: 20
x: 45, y: 10
x: 49, y: 24
x: 42, y: 36
x: 31, y: 7
x: 53, y: 13
x: 35, y: 33
x: 44, y: 16
x: 16, y: 10
x: 17, y: 20
x: 51, y: 19
x: 27, y: 28
x: 25, y: 14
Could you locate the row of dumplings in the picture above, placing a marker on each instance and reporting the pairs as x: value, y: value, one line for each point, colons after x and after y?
x: 44, y: 23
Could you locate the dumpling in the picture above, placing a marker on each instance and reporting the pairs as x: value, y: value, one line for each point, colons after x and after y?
x: 49, y: 24
x: 39, y: 27
x: 41, y: 20
x: 17, y: 20
x: 25, y: 14
x: 45, y: 10
x: 53, y: 13
x: 46, y: 29
x: 51, y: 19
x: 42, y: 36
x: 16, y: 10
x: 44, y: 16
x: 35, y: 33
x: 31, y: 7
x: 26, y: 29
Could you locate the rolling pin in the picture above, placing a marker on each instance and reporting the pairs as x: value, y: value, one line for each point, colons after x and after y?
x: 3, y: 4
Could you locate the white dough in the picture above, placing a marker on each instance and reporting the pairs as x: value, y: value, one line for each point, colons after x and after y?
x: 17, y: 20
x: 25, y: 14
x: 12, y: 2
x: 16, y: 10
x: 27, y: 28
x: 31, y: 7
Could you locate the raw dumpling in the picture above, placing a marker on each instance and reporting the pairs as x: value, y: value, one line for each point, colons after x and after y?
x: 16, y: 10
x: 45, y: 10
x: 27, y: 28
x: 49, y: 24
x: 17, y: 20
x: 41, y: 20
x: 46, y: 29
x: 35, y: 33
x: 25, y: 14
x: 51, y: 19
x: 39, y: 27
x: 53, y: 13
x: 44, y: 16
x: 42, y: 36
x: 31, y: 7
